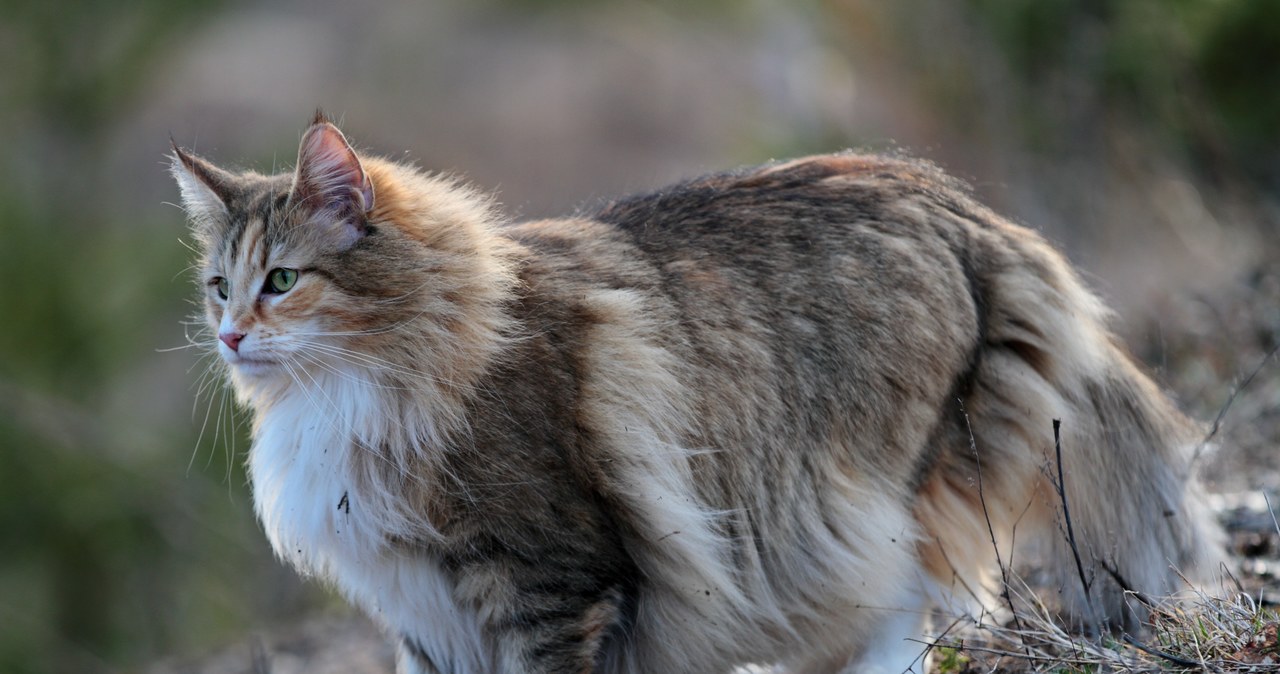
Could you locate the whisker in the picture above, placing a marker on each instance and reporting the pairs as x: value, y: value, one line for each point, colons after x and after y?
x: 289, y: 367
x: 394, y: 371
x: 229, y: 435
x: 367, y: 360
x: 217, y: 428
x: 328, y: 367
x: 208, y: 376
x: 186, y: 269
x: 203, y: 425
x: 170, y: 349
x: 355, y: 357
x: 392, y: 327
x: 371, y: 331
x: 186, y: 245
x: 410, y: 293
x: 293, y: 367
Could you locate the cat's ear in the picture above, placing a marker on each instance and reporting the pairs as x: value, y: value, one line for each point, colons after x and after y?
x: 206, y: 189
x: 331, y: 184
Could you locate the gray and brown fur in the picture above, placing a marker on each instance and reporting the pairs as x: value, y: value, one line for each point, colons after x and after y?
x: 739, y: 419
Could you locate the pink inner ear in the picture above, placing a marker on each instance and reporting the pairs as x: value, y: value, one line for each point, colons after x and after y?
x: 329, y: 175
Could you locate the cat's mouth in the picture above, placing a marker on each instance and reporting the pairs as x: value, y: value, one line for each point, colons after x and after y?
x: 253, y: 364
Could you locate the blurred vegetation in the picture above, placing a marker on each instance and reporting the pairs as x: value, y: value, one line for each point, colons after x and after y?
x: 81, y: 61
x: 113, y: 555
x: 1189, y: 80
x: 1194, y: 74
x: 110, y: 555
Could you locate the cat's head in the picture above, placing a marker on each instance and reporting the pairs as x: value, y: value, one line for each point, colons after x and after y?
x: 349, y: 263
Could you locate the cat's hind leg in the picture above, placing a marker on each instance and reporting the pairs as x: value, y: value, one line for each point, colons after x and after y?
x: 891, y: 639
x: 899, y: 643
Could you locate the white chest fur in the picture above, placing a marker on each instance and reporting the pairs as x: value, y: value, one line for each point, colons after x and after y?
x: 326, y: 523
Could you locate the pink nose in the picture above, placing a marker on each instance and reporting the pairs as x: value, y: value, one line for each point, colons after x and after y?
x: 231, y: 339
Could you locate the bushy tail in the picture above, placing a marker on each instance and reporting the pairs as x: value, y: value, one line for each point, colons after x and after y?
x: 1129, y: 516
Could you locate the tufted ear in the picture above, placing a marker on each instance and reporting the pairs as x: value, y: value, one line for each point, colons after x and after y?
x: 331, y: 184
x: 206, y: 190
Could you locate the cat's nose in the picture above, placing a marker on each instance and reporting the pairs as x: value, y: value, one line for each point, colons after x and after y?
x: 231, y: 339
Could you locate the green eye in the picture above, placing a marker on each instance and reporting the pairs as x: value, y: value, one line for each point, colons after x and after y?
x: 281, y: 280
x: 224, y: 288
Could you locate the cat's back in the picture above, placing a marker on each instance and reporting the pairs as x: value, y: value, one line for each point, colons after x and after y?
x: 795, y: 207
x: 768, y: 292
x: 800, y: 221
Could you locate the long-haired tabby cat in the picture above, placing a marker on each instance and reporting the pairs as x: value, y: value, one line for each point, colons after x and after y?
x: 770, y: 416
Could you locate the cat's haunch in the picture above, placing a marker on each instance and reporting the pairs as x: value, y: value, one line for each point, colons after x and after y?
x: 771, y: 416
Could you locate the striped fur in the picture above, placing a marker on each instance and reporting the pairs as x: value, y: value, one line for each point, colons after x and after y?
x: 740, y: 420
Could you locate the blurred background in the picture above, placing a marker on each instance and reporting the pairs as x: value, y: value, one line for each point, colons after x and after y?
x: 1142, y: 136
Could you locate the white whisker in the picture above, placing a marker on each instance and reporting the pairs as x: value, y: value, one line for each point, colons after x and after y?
x: 170, y: 349
x: 368, y: 362
x: 218, y: 429
x: 330, y: 368
x: 204, y: 423
x: 383, y: 330
x: 375, y: 363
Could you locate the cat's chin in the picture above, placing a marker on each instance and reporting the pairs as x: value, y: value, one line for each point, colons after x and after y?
x: 254, y: 367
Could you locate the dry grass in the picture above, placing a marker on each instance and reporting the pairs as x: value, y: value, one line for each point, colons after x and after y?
x: 1233, y: 630
x: 1204, y: 634
x: 1223, y: 358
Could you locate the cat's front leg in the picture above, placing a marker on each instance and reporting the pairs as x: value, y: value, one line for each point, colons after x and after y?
x: 550, y: 583
x: 411, y: 658
x: 557, y: 634
x: 532, y: 641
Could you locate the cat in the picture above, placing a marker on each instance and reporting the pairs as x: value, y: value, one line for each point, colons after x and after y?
x: 772, y: 416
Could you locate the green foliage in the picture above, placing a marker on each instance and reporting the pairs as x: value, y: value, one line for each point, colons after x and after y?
x: 1198, y: 75
x: 112, y: 553
x: 94, y: 484
x: 77, y: 63
x: 950, y: 660
x: 1236, y: 59
x: 1034, y: 34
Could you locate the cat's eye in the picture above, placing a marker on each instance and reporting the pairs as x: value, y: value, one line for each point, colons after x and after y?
x: 224, y: 288
x: 280, y: 280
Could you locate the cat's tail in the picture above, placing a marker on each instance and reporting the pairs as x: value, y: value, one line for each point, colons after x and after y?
x: 1059, y: 443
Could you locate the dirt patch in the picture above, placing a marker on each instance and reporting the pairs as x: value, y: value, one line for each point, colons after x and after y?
x: 345, y: 643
